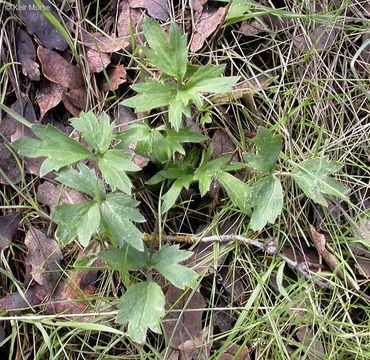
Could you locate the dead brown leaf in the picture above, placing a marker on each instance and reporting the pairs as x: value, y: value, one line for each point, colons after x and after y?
x: 38, y: 24
x: 59, y: 70
x: 42, y: 262
x: 8, y: 127
x: 318, y: 39
x: 155, y: 8
x: 49, y: 96
x: 104, y: 43
x: 71, y: 296
x: 320, y: 242
x: 305, y: 335
x: 26, y: 54
x: 76, y: 97
x: 207, y: 24
x: 126, y: 16
x: 198, y: 7
x: 222, y: 145
x: 8, y: 228
x: 190, y: 323
x: 97, y: 62
x: 14, y: 303
x: 50, y: 195
x: 251, y: 27
x: 117, y: 76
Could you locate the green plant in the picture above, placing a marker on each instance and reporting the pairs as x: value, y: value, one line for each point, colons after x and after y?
x: 112, y: 213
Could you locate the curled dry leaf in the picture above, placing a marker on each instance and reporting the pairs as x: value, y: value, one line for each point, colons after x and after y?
x: 155, y: 8
x: 190, y: 326
x: 49, y: 96
x: 59, y: 70
x: 129, y: 16
x: 8, y: 228
x: 320, y: 242
x: 97, y: 62
x: 26, y: 54
x: 104, y: 43
x: 222, y: 145
x: 198, y: 6
x: 37, y: 23
x: 208, y: 22
x: 305, y: 335
x: 42, y: 262
x: 117, y: 76
x: 50, y: 195
x: 14, y: 303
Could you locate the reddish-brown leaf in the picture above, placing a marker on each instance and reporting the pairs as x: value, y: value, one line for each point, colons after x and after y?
x: 8, y: 127
x: 127, y: 16
x: 49, y: 96
x: 103, y: 43
x: 50, y: 195
x: 8, y: 228
x: 155, y: 8
x: 97, y: 62
x: 320, y: 243
x: 26, y: 54
x: 117, y: 76
x: 42, y: 262
x: 38, y: 24
x: 14, y: 303
x: 59, y: 70
x: 207, y: 24
x: 190, y: 326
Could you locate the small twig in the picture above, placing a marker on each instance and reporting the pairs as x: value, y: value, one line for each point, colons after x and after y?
x: 269, y: 247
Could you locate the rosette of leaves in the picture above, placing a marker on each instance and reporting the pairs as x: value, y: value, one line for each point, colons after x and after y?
x: 181, y: 83
x: 111, y: 213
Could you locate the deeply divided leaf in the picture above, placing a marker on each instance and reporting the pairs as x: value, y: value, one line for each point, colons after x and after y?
x: 141, y: 307
x: 84, y: 180
x: 170, y: 57
x: 59, y: 149
x: 119, y: 210
x: 312, y: 177
x: 80, y: 220
x: 98, y: 133
x: 267, y: 200
x: 125, y: 258
x: 268, y: 150
x: 166, y: 261
x: 113, y: 166
x: 238, y: 191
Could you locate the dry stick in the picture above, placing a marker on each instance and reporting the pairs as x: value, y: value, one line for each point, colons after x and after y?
x: 269, y: 246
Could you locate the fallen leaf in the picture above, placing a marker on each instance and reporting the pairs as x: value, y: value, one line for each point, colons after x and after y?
x: 49, y: 96
x: 198, y: 7
x: 59, y: 70
x: 155, y: 8
x: 8, y: 127
x: 319, y: 39
x: 117, y: 76
x: 305, y: 336
x: 75, y: 111
x: 97, y: 62
x: 32, y: 165
x: 104, y: 43
x: 222, y: 145
x: 38, y: 24
x: 50, y: 195
x: 190, y: 324
x: 76, y: 97
x: 320, y: 242
x: 8, y: 228
x: 14, y: 303
x: 208, y: 23
x: 251, y: 27
x: 71, y: 296
x: 42, y: 262
x: 26, y: 54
